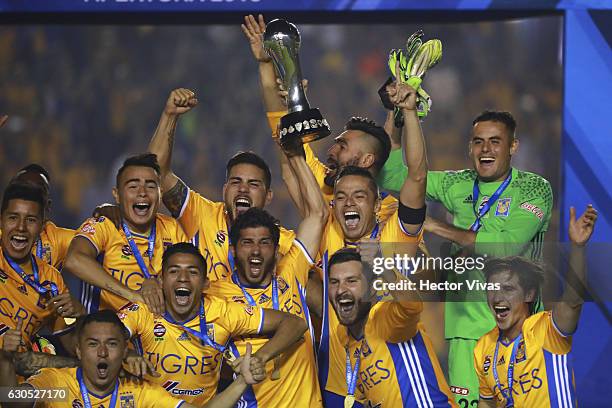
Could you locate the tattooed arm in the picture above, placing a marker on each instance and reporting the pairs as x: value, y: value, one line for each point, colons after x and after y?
x: 175, y: 197
x: 180, y: 101
x: 29, y: 362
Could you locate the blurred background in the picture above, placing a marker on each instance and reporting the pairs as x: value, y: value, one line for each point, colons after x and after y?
x: 82, y: 98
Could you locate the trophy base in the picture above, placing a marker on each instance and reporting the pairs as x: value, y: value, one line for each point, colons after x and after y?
x: 307, y: 125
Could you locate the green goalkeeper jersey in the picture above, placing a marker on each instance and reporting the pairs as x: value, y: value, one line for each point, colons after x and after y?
x: 514, y: 225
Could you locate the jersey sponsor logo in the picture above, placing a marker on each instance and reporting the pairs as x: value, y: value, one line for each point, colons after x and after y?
x: 171, y: 387
x: 204, y: 363
x: 263, y: 299
x: 523, y: 384
x: 127, y: 401
x: 372, y: 375
x: 77, y: 404
x: 370, y: 404
x: 220, y: 237
x: 503, y: 207
x: 99, y: 219
x: 3, y: 276
x: 132, y: 307
x: 238, y: 299
x: 88, y: 228
x: 167, y: 244
x: 459, y: 390
x: 533, y: 209
x: 487, y: 364
x: 126, y: 250
x: 121, y: 315
x: 159, y: 330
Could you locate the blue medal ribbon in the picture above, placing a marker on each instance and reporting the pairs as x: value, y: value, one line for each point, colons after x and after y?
x: 373, y: 234
x: 507, y: 393
x: 85, y: 392
x: 486, y: 206
x: 249, y: 298
x: 352, y: 372
x: 34, y: 283
x: 136, y: 251
x: 202, y: 334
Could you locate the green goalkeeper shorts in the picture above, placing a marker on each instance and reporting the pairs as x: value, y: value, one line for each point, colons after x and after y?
x: 461, y: 372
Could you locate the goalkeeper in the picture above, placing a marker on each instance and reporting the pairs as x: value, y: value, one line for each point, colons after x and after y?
x: 497, y: 209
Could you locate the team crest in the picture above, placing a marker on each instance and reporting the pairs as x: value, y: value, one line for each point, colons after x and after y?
x: 365, y: 349
x: 521, y: 352
x: 282, y: 285
x: 127, y: 401
x: 487, y: 364
x: 503, y: 207
x: 77, y: 404
x: 263, y: 299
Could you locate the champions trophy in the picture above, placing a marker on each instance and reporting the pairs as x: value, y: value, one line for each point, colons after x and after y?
x: 282, y: 43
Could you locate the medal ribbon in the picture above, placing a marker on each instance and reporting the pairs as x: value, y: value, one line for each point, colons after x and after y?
x: 34, y: 283
x: 85, y: 392
x: 352, y: 373
x: 507, y: 393
x: 136, y: 251
x: 202, y: 334
x: 249, y: 298
x: 486, y: 206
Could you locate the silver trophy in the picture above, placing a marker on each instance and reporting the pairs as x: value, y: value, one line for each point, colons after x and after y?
x: 282, y: 43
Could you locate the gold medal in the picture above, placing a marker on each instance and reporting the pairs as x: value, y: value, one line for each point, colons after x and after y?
x: 229, y: 356
x: 276, y: 372
x: 349, y: 400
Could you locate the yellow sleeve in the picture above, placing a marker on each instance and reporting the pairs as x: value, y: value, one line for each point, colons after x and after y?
x: 543, y: 327
x: 135, y: 318
x: 396, y: 321
x: 174, y: 228
x: 297, y: 261
x: 318, y: 169
x: 242, y: 320
x: 273, y: 121
x: 286, y: 240
x: 484, y: 390
x: 63, y: 236
x: 153, y: 395
x: 47, y: 378
x: 97, y: 231
x: 194, y: 211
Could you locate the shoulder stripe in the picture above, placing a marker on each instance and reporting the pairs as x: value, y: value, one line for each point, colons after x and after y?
x: 185, y: 203
x: 299, y: 244
x: 416, y: 234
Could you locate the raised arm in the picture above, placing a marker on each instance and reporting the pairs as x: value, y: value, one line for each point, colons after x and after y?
x: 180, y: 101
x: 81, y: 262
x: 567, y: 312
x: 412, y: 193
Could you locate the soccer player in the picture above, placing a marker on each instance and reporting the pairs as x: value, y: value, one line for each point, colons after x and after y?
x: 132, y: 255
x: 53, y: 243
x: 186, y: 344
x: 362, y: 143
x: 524, y: 361
x: 101, y: 349
x: 32, y: 292
x: 498, y: 210
x: 247, y: 185
x: 373, y: 352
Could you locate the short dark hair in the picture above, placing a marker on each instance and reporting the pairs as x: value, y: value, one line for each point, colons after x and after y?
x: 530, y: 274
x: 35, y: 168
x: 102, y: 316
x: 184, y: 248
x: 497, y: 116
x: 250, y: 158
x: 22, y: 191
x: 348, y: 255
x: 383, y: 142
x: 253, y: 218
x: 141, y: 160
x: 358, y: 171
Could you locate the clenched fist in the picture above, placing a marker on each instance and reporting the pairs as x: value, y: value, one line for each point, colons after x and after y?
x: 181, y: 100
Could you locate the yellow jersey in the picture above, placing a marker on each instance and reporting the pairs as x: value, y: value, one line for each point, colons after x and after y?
x: 388, y: 203
x: 543, y: 375
x: 115, y: 255
x: 18, y: 300
x: 52, y: 246
x: 298, y: 386
x: 189, y: 369
x: 206, y: 222
x: 131, y: 393
x: 397, y: 365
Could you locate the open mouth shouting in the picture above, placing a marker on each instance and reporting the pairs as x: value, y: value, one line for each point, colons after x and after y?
x: 351, y: 219
x: 141, y: 208
x: 183, y: 296
x: 19, y: 242
x: 255, y: 266
x: 486, y: 162
x: 346, y: 307
x: 501, y: 312
x: 102, y: 370
x: 242, y: 204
